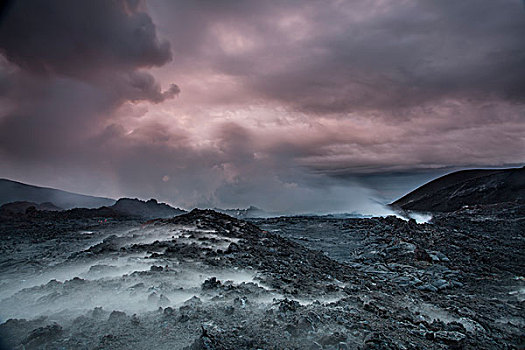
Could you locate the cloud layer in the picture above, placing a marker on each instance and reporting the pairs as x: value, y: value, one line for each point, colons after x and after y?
x: 282, y: 104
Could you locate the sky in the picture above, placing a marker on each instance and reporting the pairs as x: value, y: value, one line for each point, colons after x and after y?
x: 297, y: 106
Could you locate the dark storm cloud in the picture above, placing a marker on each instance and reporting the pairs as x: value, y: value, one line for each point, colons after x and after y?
x: 139, y: 85
x: 100, y: 43
x: 80, y: 38
x: 342, y: 56
x: 69, y: 65
x: 435, y: 84
x: 48, y: 117
x: 285, y: 102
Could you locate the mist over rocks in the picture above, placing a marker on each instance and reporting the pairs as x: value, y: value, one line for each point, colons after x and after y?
x: 153, y: 276
x: 206, y: 280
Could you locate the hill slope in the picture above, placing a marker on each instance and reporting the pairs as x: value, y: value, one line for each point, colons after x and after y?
x: 467, y: 187
x: 12, y: 191
x: 23, y: 206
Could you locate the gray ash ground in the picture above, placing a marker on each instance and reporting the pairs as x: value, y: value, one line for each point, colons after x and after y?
x: 204, y: 280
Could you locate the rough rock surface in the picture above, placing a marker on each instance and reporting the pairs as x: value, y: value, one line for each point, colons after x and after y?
x: 205, y: 280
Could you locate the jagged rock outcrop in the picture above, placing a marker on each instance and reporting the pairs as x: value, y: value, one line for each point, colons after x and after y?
x: 145, y: 209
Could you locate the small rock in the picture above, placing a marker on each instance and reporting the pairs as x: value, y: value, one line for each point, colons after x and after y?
x: 135, y: 320
x: 184, y: 318
x: 441, y: 256
x: 450, y: 338
x: 427, y: 288
x: 211, y: 283
x: 97, y: 313
x: 440, y: 284
x: 117, y: 316
x: 232, y: 248
x: 42, y: 335
x: 434, y: 258
x: 421, y: 254
x: 168, y: 311
x: 456, y: 284
x: 240, y: 302
x: 193, y: 301
x: 288, y: 305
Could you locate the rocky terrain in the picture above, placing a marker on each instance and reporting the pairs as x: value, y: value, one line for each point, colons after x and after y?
x: 205, y: 280
x: 150, y: 209
x: 114, y: 278
x: 124, y: 208
x: 22, y: 207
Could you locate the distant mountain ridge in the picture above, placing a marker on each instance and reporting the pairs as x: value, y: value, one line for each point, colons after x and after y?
x: 17, y: 198
x: 467, y: 187
x: 150, y: 209
x: 13, y: 191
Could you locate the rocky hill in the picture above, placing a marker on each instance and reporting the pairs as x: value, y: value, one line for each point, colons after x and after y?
x: 13, y: 191
x: 467, y: 188
x: 17, y: 198
x: 123, y: 208
x: 145, y: 209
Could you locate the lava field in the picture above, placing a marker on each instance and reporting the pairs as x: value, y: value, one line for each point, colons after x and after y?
x: 205, y: 280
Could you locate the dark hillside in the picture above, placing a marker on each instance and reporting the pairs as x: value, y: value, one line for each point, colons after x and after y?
x: 468, y: 187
